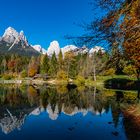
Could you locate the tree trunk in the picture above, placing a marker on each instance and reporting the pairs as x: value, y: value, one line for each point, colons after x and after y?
x: 94, y: 73
x: 94, y: 94
x: 94, y: 68
x: 138, y: 96
x: 138, y: 75
x: 138, y: 83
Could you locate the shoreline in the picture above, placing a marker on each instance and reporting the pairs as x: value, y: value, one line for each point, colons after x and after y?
x: 102, y: 82
x: 54, y: 82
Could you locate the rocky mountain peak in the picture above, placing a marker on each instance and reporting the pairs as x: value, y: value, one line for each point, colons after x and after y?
x: 21, y: 34
x: 68, y: 48
x: 10, y: 35
x: 96, y: 49
x: 23, y: 39
x: 15, y: 42
x: 53, y: 48
x: 39, y: 49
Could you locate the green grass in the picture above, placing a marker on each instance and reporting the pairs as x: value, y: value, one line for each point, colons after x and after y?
x: 101, y: 80
x: 91, y: 83
x: 104, y: 78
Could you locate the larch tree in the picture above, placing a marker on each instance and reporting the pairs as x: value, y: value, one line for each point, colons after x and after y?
x: 33, y: 67
x: 117, y: 28
x: 131, y: 29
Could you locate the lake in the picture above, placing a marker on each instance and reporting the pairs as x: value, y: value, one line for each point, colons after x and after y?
x: 47, y: 112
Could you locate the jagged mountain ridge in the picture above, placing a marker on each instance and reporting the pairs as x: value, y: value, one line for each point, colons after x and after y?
x: 14, y: 42
x: 39, y: 49
x: 55, y: 48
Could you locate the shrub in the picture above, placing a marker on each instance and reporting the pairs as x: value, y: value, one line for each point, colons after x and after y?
x: 110, y: 71
x: 7, y: 77
x: 62, y: 89
x: 80, y: 80
x: 61, y: 75
x: 23, y: 74
x: 129, y: 70
x: 32, y: 72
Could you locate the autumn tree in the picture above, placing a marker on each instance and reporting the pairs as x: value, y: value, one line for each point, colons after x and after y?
x: 33, y: 67
x: 3, y: 66
x: 131, y: 29
x: 11, y: 64
x: 118, y: 29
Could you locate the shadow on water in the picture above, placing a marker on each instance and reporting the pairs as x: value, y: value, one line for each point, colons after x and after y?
x: 122, y: 84
x: 130, y: 100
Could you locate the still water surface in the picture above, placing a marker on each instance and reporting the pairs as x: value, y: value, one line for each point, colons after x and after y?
x: 30, y: 112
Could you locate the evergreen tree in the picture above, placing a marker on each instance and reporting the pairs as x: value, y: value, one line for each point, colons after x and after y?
x: 70, y: 64
x: 3, y: 66
x: 45, y: 66
x: 53, y: 65
x: 60, y: 60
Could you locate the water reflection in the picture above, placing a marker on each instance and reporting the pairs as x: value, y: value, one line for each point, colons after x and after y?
x: 19, y: 103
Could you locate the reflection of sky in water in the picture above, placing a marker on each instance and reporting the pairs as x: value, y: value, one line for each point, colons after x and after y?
x: 64, y: 126
x: 28, y: 113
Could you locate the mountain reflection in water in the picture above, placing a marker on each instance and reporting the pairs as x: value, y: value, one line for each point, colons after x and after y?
x: 50, y: 112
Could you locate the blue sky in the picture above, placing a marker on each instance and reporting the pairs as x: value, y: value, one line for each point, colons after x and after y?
x: 45, y: 20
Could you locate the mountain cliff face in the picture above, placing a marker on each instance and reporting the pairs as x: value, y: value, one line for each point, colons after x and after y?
x: 39, y: 49
x: 53, y: 48
x: 14, y: 42
x: 68, y: 48
x: 96, y: 49
x: 10, y: 35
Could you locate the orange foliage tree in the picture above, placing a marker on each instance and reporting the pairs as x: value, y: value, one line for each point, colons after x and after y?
x: 33, y: 67
x: 118, y: 28
x: 11, y: 65
x: 131, y: 28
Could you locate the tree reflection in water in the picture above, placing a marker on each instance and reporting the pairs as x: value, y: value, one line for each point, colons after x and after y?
x: 18, y: 102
